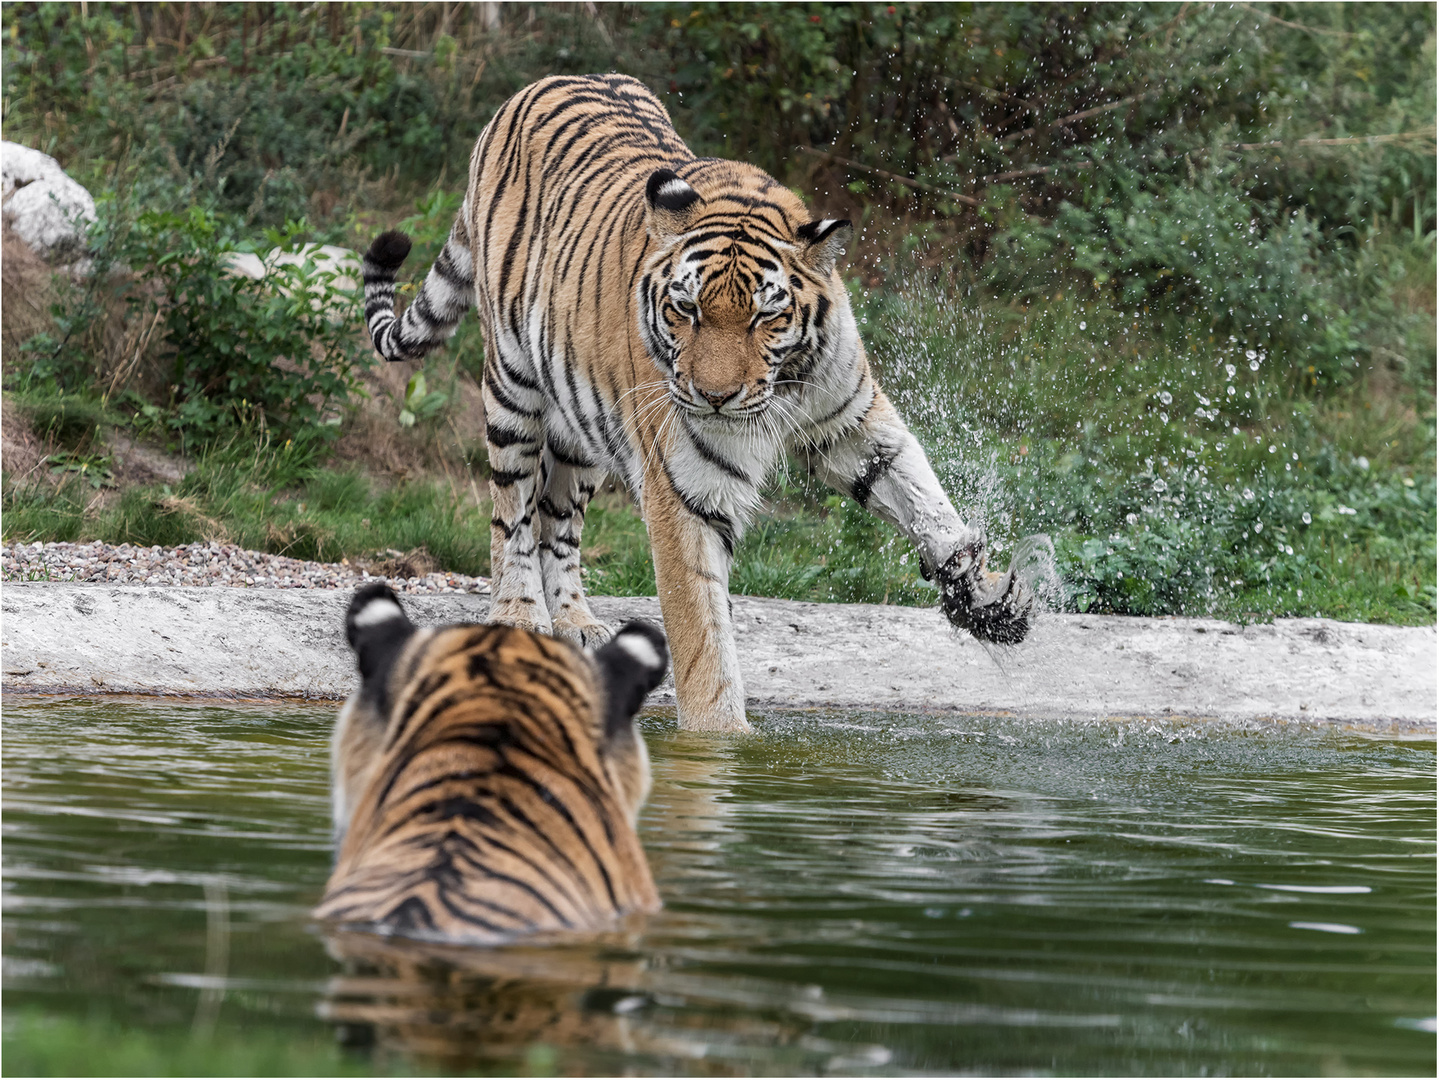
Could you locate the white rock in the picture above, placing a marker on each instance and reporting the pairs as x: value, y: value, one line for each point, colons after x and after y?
x: 47, y: 209
x: 343, y: 263
x: 244, y: 264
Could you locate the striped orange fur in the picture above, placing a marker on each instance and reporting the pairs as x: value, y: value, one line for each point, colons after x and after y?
x: 488, y: 779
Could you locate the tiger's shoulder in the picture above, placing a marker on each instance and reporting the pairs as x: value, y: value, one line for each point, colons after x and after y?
x: 487, y: 780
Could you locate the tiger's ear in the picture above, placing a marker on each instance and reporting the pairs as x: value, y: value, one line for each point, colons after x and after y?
x: 823, y: 242
x: 377, y: 628
x: 632, y: 664
x: 672, y: 204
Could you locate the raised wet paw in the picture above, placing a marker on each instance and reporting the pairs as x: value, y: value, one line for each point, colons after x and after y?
x: 992, y: 607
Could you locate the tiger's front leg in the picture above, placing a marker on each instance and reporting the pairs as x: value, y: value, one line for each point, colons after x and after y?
x: 514, y: 435
x: 881, y: 465
x: 692, y: 564
x: 561, y: 524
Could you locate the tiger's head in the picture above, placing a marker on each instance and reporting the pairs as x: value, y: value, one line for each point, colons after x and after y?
x: 453, y: 678
x: 736, y: 301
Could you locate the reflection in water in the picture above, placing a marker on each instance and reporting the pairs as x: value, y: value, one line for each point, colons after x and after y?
x: 844, y: 894
x: 217, y: 957
x: 456, y: 1006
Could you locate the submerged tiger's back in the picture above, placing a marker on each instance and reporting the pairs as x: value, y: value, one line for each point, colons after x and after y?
x: 487, y: 780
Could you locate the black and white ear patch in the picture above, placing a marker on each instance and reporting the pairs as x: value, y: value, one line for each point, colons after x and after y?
x: 666, y: 191
x: 825, y: 241
x: 371, y: 606
x: 633, y: 663
x: 377, y: 628
x: 815, y: 232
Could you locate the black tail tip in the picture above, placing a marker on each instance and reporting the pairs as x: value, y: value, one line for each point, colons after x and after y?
x: 389, y: 249
x: 371, y: 605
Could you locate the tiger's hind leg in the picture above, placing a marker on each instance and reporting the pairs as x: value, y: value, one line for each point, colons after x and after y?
x: 515, y: 435
x: 562, y: 507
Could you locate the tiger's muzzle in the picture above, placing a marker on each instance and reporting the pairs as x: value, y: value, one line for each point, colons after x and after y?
x: 736, y: 402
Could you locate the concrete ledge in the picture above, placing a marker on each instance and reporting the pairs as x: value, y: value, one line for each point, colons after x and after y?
x: 272, y: 643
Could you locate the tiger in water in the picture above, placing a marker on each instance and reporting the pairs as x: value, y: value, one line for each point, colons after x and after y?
x: 487, y: 779
x: 678, y: 322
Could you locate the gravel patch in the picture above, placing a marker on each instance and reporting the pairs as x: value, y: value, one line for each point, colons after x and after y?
x: 205, y: 564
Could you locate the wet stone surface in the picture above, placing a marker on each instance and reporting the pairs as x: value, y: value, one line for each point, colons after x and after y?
x: 291, y: 643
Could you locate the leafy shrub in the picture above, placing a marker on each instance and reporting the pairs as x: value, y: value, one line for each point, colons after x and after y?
x: 225, y: 348
x: 1256, y: 274
x: 282, y: 348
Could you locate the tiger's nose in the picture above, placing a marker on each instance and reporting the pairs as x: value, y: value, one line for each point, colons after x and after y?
x: 719, y: 397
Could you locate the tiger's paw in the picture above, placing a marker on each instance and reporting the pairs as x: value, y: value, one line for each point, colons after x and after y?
x: 587, y: 635
x: 992, y: 607
x: 720, y: 709
x: 716, y: 720
x: 522, y: 613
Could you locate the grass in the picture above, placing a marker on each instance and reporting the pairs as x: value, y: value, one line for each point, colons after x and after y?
x: 275, y: 499
x: 40, y: 1045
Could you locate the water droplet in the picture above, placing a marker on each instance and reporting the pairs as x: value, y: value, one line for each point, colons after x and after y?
x: 1304, y: 517
x: 1083, y: 325
x: 1254, y: 365
x: 1259, y: 526
x: 1165, y: 396
x: 1160, y: 485
x: 1272, y: 448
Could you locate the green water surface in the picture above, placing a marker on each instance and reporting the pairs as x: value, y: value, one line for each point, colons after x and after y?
x: 851, y: 894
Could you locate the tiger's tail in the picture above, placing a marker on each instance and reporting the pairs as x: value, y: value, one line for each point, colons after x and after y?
x: 433, y: 315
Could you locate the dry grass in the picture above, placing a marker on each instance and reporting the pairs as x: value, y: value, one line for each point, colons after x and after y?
x: 21, y: 453
x: 25, y: 281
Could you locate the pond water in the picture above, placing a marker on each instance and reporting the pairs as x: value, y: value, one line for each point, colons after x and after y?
x: 844, y: 894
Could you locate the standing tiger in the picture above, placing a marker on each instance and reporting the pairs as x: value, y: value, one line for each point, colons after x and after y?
x: 676, y: 321
x: 487, y: 779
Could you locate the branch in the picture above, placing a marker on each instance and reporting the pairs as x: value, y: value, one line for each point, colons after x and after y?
x: 1031, y: 106
x: 1086, y: 114
x: 915, y: 185
x: 1353, y: 140
x: 1295, y: 25
x: 1168, y: 27
x: 1035, y: 170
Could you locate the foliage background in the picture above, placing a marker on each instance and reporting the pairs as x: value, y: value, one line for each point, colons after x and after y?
x: 1155, y: 279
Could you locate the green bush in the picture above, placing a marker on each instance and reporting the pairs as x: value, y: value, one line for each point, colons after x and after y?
x: 226, y: 349
x: 280, y: 349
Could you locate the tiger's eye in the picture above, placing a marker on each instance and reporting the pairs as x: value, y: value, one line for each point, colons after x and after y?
x: 686, y: 307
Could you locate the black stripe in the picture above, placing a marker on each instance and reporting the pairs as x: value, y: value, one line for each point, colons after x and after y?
x: 507, y: 477
x: 878, y: 465
x: 720, y: 523
x: 563, y: 457
x: 713, y: 457
x: 501, y: 437
x: 504, y: 400
x: 495, y: 875
x: 548, y: 798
